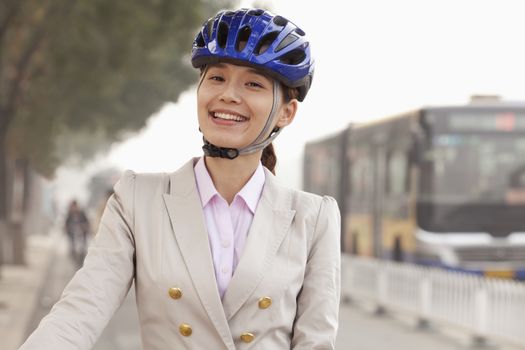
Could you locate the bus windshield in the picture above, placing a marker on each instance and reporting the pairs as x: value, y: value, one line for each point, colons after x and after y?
x: 473, y: 183
x: 480, y: 168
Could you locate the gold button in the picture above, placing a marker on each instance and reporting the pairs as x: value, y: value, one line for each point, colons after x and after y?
x: 265, y: 302
x: 175, y: 293
x: 185, y: 329
x: 247, y: 337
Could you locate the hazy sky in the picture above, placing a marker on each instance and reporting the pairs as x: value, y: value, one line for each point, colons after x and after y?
x: 373, y: 58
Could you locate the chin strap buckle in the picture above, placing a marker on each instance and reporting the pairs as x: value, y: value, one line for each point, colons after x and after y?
x: 222, y: 152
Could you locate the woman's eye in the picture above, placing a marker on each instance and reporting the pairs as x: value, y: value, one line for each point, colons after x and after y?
x: 254, y: 84
x: 216, y: 78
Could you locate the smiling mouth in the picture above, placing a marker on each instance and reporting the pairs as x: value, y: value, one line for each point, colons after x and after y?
x: 228, y: 116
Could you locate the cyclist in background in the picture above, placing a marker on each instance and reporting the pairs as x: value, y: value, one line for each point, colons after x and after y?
x: 77, y: 230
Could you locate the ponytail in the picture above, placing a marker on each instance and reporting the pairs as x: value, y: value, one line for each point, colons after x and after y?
x: 268, y: 158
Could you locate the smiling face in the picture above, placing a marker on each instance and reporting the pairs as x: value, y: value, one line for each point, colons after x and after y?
x: 234, y: 103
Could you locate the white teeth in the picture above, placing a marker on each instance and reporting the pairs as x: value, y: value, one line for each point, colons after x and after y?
x: 227, y: 116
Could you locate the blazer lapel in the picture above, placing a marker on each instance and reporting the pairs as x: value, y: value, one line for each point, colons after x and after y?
x: 187, y: 218
x: 271, y: 222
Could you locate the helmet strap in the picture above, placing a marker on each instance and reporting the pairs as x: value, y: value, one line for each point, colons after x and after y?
x: 211, y: 150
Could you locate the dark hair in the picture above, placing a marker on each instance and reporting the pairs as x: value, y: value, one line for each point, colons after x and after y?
x: 269, y: 158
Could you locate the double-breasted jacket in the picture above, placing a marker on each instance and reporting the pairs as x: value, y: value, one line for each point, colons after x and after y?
x: 284, y: 293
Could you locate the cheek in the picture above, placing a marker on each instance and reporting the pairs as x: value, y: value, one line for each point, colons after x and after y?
x: 200, y: 99
x: 202, y: 103
x: 263, y: 107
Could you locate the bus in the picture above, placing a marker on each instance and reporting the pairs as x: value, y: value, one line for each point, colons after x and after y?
x: 323, y: 167
x: 440, y: 186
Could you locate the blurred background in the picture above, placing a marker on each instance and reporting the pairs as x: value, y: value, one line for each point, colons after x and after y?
x: 89, y: 89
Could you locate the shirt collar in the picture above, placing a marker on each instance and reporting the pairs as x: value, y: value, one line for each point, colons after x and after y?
x: 250, y: 193
x: 205, y: 185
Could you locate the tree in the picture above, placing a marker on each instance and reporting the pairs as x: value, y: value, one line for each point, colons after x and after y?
x: 99, y: 68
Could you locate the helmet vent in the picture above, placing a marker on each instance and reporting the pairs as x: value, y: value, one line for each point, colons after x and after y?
x: 209, y: 27
x: 280, y: 21
x: 300, y: 31
x: 265, y: 43
x: 242, y: 38
x: 290, y: 38
x: 229, y: 13
x: 256, y: 12
x: 293, y: 57
x: 222, y: 34
x: 199, y: 41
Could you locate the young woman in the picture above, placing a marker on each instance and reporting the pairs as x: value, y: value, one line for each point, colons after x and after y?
x: 222, y: 256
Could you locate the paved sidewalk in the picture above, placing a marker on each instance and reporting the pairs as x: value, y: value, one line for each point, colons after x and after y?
x: 20, y: 288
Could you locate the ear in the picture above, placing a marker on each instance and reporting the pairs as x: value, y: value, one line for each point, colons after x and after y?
x: 287, y: 113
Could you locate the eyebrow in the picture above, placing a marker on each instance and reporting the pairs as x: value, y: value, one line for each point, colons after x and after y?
x: 250, y: 70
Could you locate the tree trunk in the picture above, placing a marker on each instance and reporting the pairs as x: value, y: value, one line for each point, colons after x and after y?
x: 3, y: 194
x: 19, y: 198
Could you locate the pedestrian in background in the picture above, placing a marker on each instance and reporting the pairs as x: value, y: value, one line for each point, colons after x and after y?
x: 222, y: 256
x: 77, y: 229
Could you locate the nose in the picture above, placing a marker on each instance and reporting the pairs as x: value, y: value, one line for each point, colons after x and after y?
x: 230, y: 93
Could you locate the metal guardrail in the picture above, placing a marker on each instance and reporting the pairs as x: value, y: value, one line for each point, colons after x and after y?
x: 487, y: 308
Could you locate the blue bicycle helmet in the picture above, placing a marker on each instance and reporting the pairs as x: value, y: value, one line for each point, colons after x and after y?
x: 258, y: 38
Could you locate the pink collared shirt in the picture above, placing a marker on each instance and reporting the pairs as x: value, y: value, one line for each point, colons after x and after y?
x: 227, y: 225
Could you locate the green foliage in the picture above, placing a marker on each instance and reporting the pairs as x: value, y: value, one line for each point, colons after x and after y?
x: 85, y: 73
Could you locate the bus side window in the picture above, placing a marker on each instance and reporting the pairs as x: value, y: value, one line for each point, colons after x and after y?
x: 397, y: 184
x: 397, y: 171
x: 360, y: 175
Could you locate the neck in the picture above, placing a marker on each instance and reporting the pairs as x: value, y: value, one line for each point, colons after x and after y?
x: 230, y: 175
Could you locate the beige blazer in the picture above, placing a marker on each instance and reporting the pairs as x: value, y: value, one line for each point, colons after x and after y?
x: 284, y: 293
